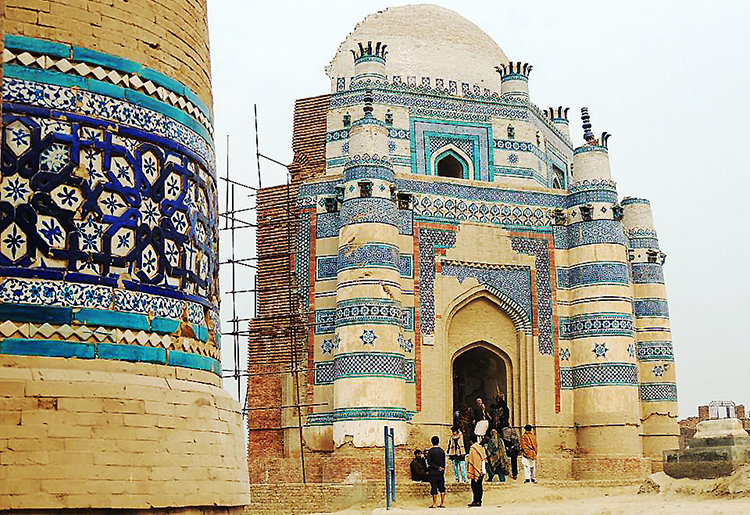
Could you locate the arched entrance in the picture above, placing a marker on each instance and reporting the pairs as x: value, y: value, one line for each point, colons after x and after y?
x: 478, y: 372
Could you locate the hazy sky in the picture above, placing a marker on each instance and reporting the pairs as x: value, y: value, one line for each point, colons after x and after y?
x: 667, y: 78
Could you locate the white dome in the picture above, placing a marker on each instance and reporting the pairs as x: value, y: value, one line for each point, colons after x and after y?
x: 425, y: 41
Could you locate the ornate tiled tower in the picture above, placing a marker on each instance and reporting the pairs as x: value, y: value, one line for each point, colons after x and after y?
x: 109, y: 342
x: 654, y: 339
x: 600, y: 328
x: 368, y: 361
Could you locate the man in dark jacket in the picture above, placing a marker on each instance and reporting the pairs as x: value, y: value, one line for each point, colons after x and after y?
x: 418, y: 467
x: 436, y: 472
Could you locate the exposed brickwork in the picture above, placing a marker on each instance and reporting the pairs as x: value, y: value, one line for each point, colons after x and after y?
x: 309, y: 138
x: 81, y: 434
x: 169, y: 36
x: 280, y: 324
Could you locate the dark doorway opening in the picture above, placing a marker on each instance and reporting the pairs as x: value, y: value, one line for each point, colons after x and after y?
x: 478, y: 372
x: 450, y: 166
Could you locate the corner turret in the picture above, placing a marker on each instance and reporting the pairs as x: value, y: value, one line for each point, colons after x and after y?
x: 591, y: 161
x: 559, y: 118
x: 514, y: 78
x: 369, y: 64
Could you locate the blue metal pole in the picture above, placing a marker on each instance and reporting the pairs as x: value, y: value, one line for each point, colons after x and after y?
x: 393, y: 466
x: 387, y: 472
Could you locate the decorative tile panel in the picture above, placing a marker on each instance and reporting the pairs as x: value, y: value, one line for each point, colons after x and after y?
x: 655, y: 351
x: 644, y: 273
x: 538, y: 247
x: 599, y: 374
x: 650, y: 308
x: 587, y: 274
x: 429, y: 240
x: 658, y: 392
x: 367, y: 311
x: 368, y: 255
x: 513, y: 282
x: 596, y: 325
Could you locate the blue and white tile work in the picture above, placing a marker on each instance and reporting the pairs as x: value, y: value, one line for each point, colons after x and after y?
x: 587, y: 274
x: 110, y: 203
x: 598, y: 374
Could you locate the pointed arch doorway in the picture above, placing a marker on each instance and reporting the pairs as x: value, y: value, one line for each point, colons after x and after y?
x: 479, y: 371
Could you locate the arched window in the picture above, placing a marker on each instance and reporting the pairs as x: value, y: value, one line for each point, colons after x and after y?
x: 450, y: 165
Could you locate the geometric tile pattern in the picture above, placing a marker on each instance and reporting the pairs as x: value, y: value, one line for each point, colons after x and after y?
x: 538, y: 248
x: 406, y: 266
x: 650, y: 308
x: 655, y: 351
x: 368, y: 255
x: 367, y: 311
x: 658, y: 392
x: 57, y: 293
x: 587, y: 274
x: 594, y: 232
x: 594, y: 325
x: 514, y: 282
x: 519, y: 146
x: 599, y: 374
x: 174, y: 96
x: 429, y: 240
x: 369, y: 210
x: 644, y: 273
x: 108, y: 109
x: 433, y: 107
x: 473, y: 140
x: 369, y: 364
x: 406, y: 222
x: 326, y: 268
x: 325, y: 321
x: 440, y: 208
x: 140, y: 210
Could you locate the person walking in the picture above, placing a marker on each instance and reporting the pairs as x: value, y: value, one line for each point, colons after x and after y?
x: 512, y: 448
x: 457, y: 454
x: 436, y: 472
x: 476, y: 464
x: 497, y: 461
x: 528, y: 454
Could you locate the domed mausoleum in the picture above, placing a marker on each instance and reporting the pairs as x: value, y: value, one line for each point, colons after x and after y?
x: 453, y: 243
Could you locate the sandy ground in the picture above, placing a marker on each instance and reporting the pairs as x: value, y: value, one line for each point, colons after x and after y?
x: 676, y: 497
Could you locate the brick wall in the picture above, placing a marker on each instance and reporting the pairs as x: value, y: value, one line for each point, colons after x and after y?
x: 309, y: 138
x: 170, y: 36
x: 82, y: 434
x: 278, y: 335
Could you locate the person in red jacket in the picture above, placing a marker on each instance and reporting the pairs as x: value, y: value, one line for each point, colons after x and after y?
x: 528, y: 454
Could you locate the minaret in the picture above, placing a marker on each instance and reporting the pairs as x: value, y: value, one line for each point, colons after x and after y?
x: 369, y: 382
x: 658, y: 388
x: 514, y: 79
x: 604, y: 374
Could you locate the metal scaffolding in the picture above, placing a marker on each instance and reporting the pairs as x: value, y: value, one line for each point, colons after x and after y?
x: 240, y: 263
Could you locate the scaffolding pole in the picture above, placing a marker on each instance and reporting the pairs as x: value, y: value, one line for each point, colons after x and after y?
x: 240, y: 213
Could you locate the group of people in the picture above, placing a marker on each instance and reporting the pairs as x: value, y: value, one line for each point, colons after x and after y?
x: 493, y: 446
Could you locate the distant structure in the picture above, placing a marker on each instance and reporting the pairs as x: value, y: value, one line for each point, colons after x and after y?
x: 110, y: 373
x: 713, y: 410
x: 453, y: 243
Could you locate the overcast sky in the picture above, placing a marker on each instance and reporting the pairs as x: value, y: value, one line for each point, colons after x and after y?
x: 667, y: 78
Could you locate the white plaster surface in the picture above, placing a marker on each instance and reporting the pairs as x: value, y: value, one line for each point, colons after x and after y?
x: 425, y: 41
